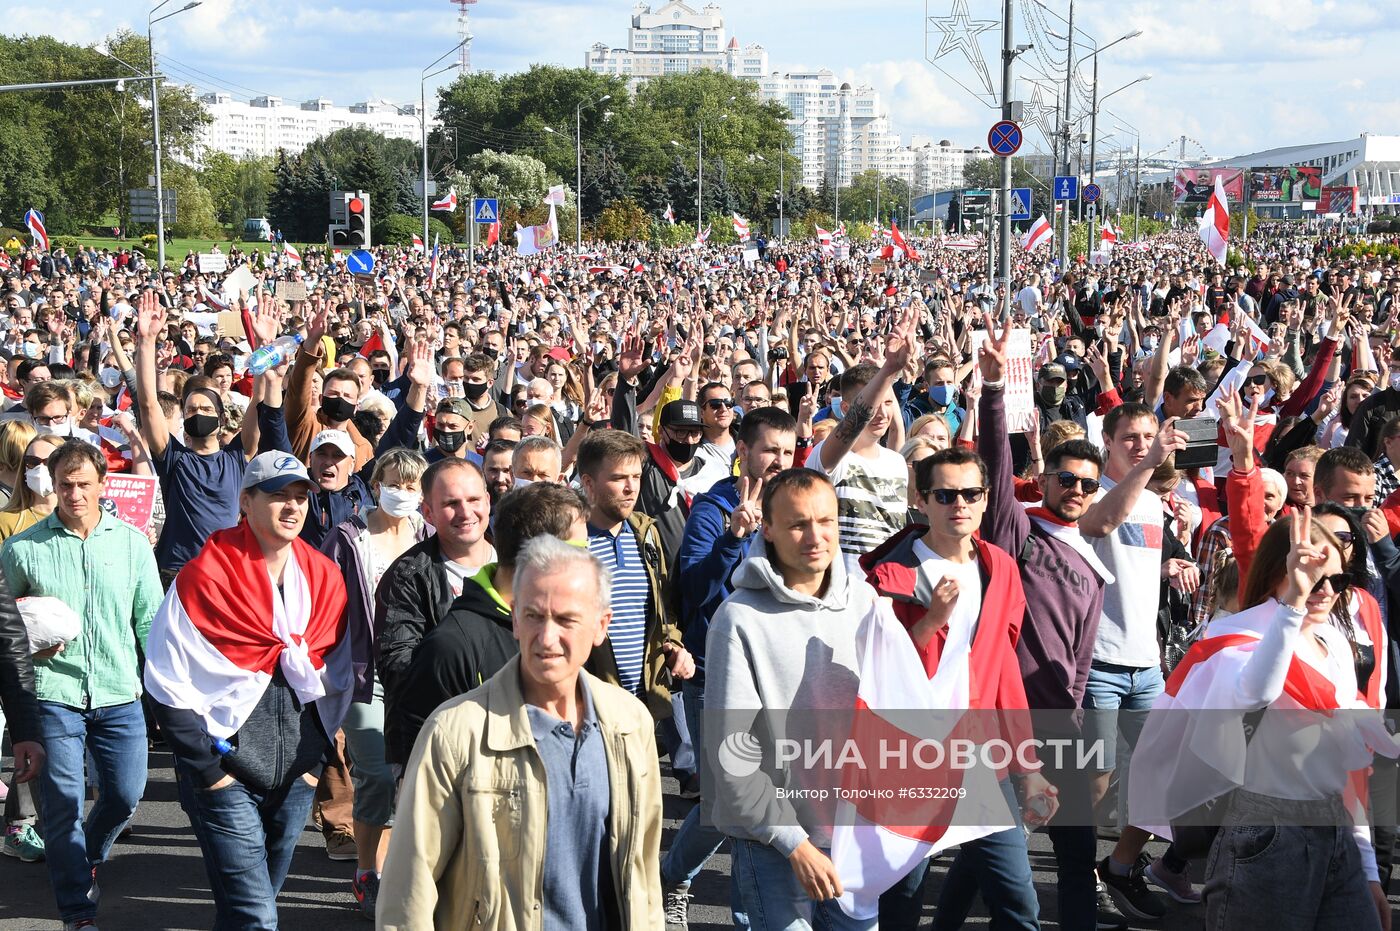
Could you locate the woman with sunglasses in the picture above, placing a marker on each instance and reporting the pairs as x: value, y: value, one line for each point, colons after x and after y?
x: 1289, y: 845
x: 34, y: 497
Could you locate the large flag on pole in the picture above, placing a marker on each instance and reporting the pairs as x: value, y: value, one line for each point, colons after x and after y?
x: 433, y: 266
x: 741, y: 226
x: 1038, y: 235
x: 290, y: 252
x: 448, y: 203
x: 900, y: 244
x: 417, y: 243
x: 1214, y: 228
x: 669, y: 216
x: 34, y: 220
x: 493, y: 233
x: 1108, y: 236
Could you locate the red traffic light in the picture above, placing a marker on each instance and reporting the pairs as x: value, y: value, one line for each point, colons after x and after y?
x: 356, y: 205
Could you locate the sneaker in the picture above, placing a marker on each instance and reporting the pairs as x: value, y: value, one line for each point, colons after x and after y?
x: 341, y: 846
x: 1131, y: 893
x: 89, y: 923
x: 690, y: 787
x: 1110, y: 918
x: 94, y: 893
x: 675, y: 904
x: 25, y: 844
x: 366, y: 889
x: 1176, y: 885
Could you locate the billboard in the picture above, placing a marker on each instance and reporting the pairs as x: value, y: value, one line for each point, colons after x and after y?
x: 1194, y: 185
x: 1285, y: 185
x: 1342, y: 200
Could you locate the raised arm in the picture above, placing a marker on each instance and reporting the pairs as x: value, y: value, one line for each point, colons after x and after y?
x: 1104, y: 515
x: 150, y: 324
x: 1006, y: 524
x: 897, y: 349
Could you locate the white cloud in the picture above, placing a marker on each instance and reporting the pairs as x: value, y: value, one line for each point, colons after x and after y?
x: 918, y: 99
x: 81, y: 27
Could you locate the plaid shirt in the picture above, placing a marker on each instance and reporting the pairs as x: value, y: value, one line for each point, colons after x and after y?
x: 1215, y: 548
x: 1386, y: 480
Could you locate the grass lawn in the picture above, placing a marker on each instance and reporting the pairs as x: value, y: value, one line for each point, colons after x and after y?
x: 176, y: 249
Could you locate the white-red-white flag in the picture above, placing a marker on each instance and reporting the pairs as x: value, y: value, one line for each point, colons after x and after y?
x: 703, y: 236
x: 1038, y: 235
x: 448, y: 203
x: 1214, y: 228
x: 670, y: 215
x: 417, y: 243
x: 901, y: 244
x: 291, y: 253
x: 741, y: 226
x: 1108, y: 236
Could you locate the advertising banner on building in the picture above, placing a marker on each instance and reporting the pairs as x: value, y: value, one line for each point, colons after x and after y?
x: 1343, y: 200
x: 1195, y: 185
x: 1285, y: 185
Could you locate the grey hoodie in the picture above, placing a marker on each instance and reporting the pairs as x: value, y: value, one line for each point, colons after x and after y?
x: 771, y: 650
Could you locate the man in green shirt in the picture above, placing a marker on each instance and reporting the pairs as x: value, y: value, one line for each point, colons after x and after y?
x: 88, y: 688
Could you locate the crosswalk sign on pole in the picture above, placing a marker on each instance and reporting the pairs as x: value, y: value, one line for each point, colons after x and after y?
x: 1020, y: 203
x: 485, y: 210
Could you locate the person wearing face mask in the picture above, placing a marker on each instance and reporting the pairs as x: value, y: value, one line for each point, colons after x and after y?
x: 364, y: 546
x: 478, y: 371
x: 34, y: 497
x: 1052, y: 399
x: 941, y: 396
x: 200, y: 480
x: 670, y: 462
x: 340, y: 394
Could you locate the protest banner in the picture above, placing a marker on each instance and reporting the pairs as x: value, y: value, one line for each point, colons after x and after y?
x: 131, y: 498
x: 1020, y: 379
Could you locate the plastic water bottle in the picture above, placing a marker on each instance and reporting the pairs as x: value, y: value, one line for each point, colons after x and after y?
x: 275, y: 353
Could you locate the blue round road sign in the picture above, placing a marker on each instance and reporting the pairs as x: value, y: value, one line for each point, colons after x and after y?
x: 1005, y: 138
x: 1092, y: 192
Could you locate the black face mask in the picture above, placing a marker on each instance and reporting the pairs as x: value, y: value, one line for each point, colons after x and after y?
x: 474, y: 392
x: 337, y: 410
x: 381, y: 376
x: 449, y: 441
x: 201, y: 425
x: 681, y: 453
x: 489, y: 352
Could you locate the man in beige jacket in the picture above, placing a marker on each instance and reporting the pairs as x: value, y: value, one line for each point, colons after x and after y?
x: 533, y: 801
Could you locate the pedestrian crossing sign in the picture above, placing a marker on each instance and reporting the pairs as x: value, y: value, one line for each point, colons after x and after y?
x: 484, y: 210
x: 1020, y: 203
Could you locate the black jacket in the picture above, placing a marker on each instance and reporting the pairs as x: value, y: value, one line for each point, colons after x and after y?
x: 16, y: 670
x: 1370, y: 418
x: 470, y: 645
x: 413, y: 598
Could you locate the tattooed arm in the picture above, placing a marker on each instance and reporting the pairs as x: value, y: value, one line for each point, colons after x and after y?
x: 858, y: 415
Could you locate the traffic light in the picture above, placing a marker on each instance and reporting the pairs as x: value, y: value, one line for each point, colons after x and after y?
x: 349, y: 219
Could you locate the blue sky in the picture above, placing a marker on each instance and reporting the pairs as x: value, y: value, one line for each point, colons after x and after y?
x: 1232, y: 75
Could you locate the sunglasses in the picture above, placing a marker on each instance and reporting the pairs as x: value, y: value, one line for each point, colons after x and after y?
x: 1340, y: 583
x: 716, y: 404
x: 33, y: 462
x: 1256, y: 380
x: 1068, y: 480
x: 1344, y: 537
x: 950, y: 495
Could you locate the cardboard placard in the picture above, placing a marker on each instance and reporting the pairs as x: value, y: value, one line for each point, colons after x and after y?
x: 212, y: 263
x: 289, y: 291
x: 131, y: 498
x: 877, y: 268
x: 239, y: 283
x: 1021, y: 412
x: 231, y: 324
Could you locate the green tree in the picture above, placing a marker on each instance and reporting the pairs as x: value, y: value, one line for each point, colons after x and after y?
x: 195, y: 217
x: 398, y: 229
x: 240, y: 187
x: 622, y: 220
x: 986, y: 173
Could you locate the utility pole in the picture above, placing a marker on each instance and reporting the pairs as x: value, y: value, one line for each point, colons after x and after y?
x: 1094, y: 132
x: 1008, y: 55
x: 1064, y: 134
x: 700, y: 181
x: 1137, y: 181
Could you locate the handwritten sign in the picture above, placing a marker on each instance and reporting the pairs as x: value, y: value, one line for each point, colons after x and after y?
x: 212, y: 263
x: 291, y: 291
x: 131, y: 498
x: 1021, y: 412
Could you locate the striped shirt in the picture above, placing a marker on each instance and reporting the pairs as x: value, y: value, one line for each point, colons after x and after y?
x: 631, y: 594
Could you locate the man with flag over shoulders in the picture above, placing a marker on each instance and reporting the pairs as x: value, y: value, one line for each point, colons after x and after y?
x: 249, y: 674
x: 1063, y: 580
x: 961, y: 600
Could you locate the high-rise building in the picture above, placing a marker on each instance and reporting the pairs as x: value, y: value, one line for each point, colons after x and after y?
x: 265, y: 124
x: 675, y: 39
x: 939, y: 166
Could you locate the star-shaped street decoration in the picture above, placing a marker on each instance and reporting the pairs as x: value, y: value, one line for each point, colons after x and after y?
x: 1041, y: 113
x: 960, y: 34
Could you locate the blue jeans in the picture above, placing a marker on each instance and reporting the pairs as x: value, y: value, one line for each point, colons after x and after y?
x: 247, y: 838
x: 115, y: 736
x: 997, y: 865
x: 1111, y: 689
x: 774, y: 900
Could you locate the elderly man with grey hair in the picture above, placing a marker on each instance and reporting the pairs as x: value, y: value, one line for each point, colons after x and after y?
x: 535, y: 799
x: 537, y: 459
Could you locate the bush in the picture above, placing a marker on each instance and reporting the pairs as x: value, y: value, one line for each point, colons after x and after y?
x: 148, y: 240
x: 69, y: 244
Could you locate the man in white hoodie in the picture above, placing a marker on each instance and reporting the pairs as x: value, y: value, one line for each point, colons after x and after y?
x: 782, y: 650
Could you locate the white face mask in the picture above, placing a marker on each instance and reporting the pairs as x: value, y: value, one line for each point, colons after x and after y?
x: 63, y: 429
x: 39, y: 480
x: 399, y: 503
x: 523, y: 483
x: 1395, y: 380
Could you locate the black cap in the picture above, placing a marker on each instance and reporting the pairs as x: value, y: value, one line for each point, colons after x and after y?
x: 681, y: 413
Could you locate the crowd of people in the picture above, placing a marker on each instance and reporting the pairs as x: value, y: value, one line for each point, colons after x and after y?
x: 447, y: 558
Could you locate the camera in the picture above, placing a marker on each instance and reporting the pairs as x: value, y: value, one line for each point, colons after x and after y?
x: 1201, y: 450
x: 778, y: 352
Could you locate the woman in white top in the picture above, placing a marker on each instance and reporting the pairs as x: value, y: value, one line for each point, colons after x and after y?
x: 1293, y: 850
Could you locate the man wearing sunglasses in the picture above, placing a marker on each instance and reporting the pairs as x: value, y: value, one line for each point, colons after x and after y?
x: 962, y: 602
x: 1063, y: 579
x: 716, y: 452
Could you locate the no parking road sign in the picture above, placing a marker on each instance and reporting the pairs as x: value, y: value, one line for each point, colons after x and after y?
x: 1092, y: 192
x: 1005, y: 138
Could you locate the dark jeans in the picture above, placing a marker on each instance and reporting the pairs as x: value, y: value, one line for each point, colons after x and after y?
x: 1265, y: 870
x: 997, y: 865
x: 73, y: 845
x: 247, y: 838
x: 1071, y: 834
x: 1384, y: 784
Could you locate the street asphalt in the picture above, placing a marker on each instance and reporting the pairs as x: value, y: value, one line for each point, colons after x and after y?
x: 155, y: 879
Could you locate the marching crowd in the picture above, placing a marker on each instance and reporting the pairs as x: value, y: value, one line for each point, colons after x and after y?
x: 446, y: 557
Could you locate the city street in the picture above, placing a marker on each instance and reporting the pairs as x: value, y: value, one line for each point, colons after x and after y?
x: 155, y: 879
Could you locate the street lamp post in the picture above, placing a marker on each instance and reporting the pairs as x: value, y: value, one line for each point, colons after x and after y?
x: 151, y: 20
x: 578, y: 177
x: 423, y: 128
x: 1064, y: 136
